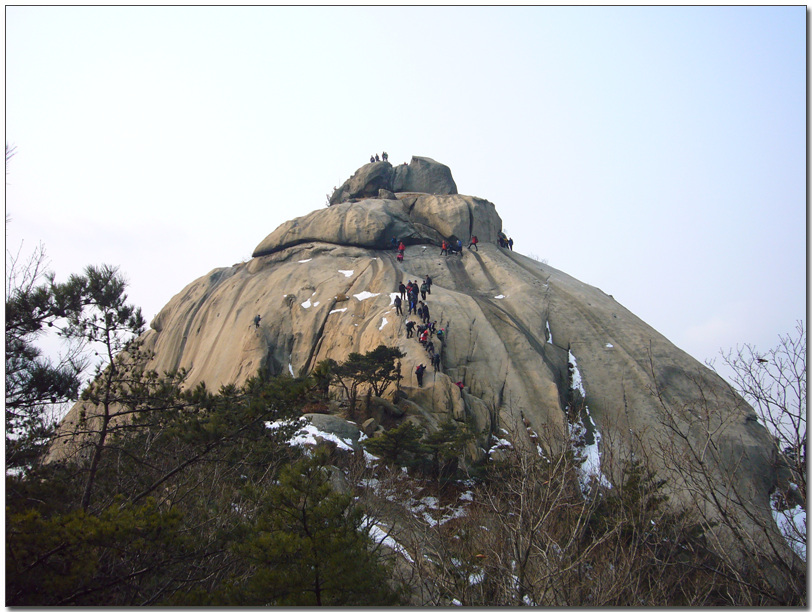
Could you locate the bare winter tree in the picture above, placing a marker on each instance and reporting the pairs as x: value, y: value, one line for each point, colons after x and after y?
x: 774, y: 383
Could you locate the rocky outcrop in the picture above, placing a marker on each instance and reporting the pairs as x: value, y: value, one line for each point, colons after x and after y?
x: 518, y: 334
x: 423, y: 175
x: 373, y: 223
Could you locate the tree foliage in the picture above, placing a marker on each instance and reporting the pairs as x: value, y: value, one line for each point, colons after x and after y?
x: 309, y: 546
x: 377, y: 369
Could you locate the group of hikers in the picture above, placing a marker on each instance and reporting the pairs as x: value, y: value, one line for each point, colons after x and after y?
x: 448, y: 247
x: 415, y: 296
x: 504, y: 241
x: 374, y: 158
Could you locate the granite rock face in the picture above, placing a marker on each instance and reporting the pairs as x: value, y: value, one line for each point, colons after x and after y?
x: 422, y: 175
x: 524, y: 338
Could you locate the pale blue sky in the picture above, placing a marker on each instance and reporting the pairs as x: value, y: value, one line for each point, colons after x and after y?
x: 658, y: 153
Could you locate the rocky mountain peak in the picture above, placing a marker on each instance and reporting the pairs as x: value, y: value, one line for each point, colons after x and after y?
x: 532, y: 348
x: 416, y: 203
x: 422, y: 175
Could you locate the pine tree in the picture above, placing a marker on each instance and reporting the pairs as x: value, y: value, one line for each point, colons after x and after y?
x: 309, y: 546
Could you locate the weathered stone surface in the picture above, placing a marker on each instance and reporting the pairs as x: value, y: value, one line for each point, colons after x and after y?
x: 388, y: 407
x: 369, y: 427
x: 372, y: 223
x: 331, y: 424
x: 365, y: 182
x: 424, y: 175
x: 324, y: 284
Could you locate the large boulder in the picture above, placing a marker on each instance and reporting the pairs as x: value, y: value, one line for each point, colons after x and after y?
x: 372, y: 223
x: 421, y: 175
x: 365, y: 182
x: 424, y: 175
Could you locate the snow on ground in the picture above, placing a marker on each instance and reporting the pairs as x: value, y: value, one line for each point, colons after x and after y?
x: 290, y: 369
x: 590, y: 467
x: 364, y: 295
x: 392, y: 298
x: 305, y: 260
x: 347, y: 273
x: 577, y: 382
x: 308, y: 304
x: 499, y: 297
x: 792, y: 524
x: 308, y: 432
x: 499, y: 443
x: 383, y: 322
x: 610, y: 345
x: 337, y: 310
x: 381, y: 537
x: 549, y: 334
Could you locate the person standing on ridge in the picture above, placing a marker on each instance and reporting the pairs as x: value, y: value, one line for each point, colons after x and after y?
x: 473, y: 242
x: 510, y: 243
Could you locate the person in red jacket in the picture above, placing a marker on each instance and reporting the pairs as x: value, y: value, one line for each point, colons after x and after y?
x: 473, y: 242
x: 444, y: 248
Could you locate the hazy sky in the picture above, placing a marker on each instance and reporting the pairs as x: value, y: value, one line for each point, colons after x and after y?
x: 658, y: 153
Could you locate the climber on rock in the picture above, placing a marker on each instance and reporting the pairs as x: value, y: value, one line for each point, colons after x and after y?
x: 402, y: 290
x: 423, y: 289
x: 510, y: 243
x: 409, y: 328
x: 444, y: 248
x: 424, y: 337
x: 401, y: 247
x: 398, y: 303
x: 419, y: 372
x: 435, y: 361
x: 473, y: 242
x: 428, y: 284
x: 371, y: 159
x: 257, y: 319
x: 425, y: 313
